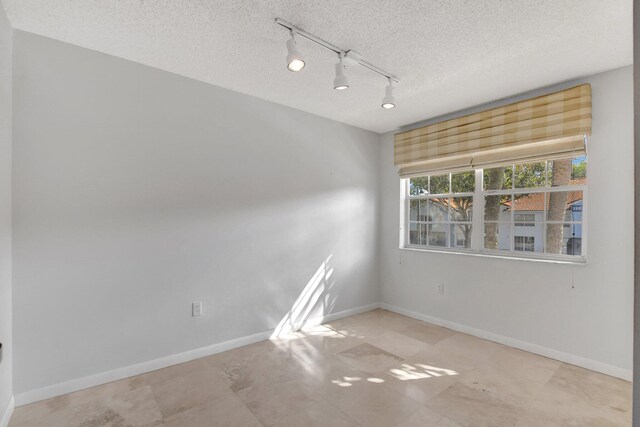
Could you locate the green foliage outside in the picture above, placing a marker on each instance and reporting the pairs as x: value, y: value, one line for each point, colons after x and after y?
x: 579, y: 170
x: 530, y: 175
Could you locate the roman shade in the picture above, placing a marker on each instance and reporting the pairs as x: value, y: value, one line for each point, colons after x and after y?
x: 547, y: 127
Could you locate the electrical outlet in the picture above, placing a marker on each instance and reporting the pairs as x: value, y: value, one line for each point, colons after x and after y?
x: 196, y: 309
x: 441, y: 288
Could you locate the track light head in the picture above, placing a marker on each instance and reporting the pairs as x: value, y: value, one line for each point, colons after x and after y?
x: 388, y: 102
x: 294, y: 58
x: 295, y: 62
x: 340, y: 82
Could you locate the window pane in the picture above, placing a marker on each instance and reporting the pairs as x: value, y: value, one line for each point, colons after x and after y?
x: 423, y: 234
x: 413, y: 210
x: 527, y: 219
x: 528, y: 203
x: 497, y: 236
x: 579, y: 170
x: 438, y: 234
x: 463, y: 182
x: 528, y: 243
x: 530, y: 175
x: 564, y: 206
x: 439, y: 209
x: 564, y: 239
x: 439, y: 184
x: 496, y: 208
x: 419, y: 186
x: 460, y: 235
x: 423, y: 213
x: 567, y: 172
x: 498, y: 178
x: 413, y: 233
x: 461, y: 208
x: 559, y: 172
x: 572, y: 235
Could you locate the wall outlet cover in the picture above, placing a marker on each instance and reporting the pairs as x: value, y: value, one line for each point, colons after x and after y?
x: 196, y: 309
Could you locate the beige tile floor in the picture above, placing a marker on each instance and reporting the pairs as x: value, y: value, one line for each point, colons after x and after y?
x: 374, y: 369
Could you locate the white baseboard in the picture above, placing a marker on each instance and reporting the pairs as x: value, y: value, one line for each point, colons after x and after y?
x: 339, y: 315
x: 152, y: 365
x: 163, y: 362
x: 8, y: 411
x: 614, y: 371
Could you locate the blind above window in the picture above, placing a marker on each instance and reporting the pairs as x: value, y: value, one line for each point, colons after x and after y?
x: 546, y: 127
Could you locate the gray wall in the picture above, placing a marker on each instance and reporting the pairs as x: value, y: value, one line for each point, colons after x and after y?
x: 584, y: 312
x: 5, y: 209
x: 138, y: 191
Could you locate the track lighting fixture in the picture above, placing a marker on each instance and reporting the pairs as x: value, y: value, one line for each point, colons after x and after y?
x: 340, y: 82
x: 294, y: 59
x: 347, y: 57
x: 388, y: 102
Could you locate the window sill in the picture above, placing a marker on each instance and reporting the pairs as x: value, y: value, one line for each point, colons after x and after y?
x: 578, y: 261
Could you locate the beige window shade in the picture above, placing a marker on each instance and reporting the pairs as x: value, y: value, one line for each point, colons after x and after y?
x: 546, y: 127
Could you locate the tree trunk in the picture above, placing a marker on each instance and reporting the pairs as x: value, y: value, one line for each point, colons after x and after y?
x: 492, y: 207
x: 557, y: 205
x: 467, y: 236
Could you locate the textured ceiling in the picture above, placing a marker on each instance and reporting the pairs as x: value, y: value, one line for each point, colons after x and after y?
x: 449, y: 54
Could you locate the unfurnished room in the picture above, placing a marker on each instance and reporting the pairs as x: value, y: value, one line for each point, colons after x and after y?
x: 333, y: 213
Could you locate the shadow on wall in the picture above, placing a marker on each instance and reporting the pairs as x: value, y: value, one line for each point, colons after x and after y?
x: 315, y: 299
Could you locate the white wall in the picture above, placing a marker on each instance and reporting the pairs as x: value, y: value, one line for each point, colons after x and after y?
x: 137, y: 191
x: 6, y: 35
x: 584, y: 311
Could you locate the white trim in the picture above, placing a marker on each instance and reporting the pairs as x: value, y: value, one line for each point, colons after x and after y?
x: 128, y: 371
x: 163, y: 362
x: 535, y: 190
x: 594, y: 365
x: 574, y: 260
x: 477, y: 211
x: 404, y: 213
x: 8, y: 411
x: 340, y: 314
x: 152, y: 365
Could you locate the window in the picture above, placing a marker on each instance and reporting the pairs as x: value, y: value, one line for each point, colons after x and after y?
x: 524, y: 220
x: 440, y: 210
x: 537, y: 208
x: 524, y: 243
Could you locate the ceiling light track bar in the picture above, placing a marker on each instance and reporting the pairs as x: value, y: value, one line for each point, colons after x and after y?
x: 335, y: 49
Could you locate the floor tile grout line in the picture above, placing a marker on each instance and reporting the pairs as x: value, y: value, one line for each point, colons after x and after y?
x: 411, y: 414
x: 542, y: 387
x: 342, y: 412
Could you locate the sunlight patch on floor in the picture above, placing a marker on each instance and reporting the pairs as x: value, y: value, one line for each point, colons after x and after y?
x: 419, y: 371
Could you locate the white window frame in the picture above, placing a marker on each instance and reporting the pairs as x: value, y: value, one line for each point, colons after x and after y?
x: 525, y: 222
x: 450, y: 237
x: 524, y: 244
x: 478, y: 223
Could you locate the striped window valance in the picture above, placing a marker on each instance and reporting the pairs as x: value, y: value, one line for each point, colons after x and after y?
x: 547, y: 127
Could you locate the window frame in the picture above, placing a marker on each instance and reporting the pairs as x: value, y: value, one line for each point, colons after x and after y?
x: 525, y: 222
x: 447, y: 223
x: 524, y: 244
x: 478, y: 222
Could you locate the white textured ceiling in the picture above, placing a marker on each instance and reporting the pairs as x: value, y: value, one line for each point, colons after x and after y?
x: 449, y: 54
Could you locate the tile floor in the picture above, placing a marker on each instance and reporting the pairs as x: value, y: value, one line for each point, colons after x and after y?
x: 374, y: 369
